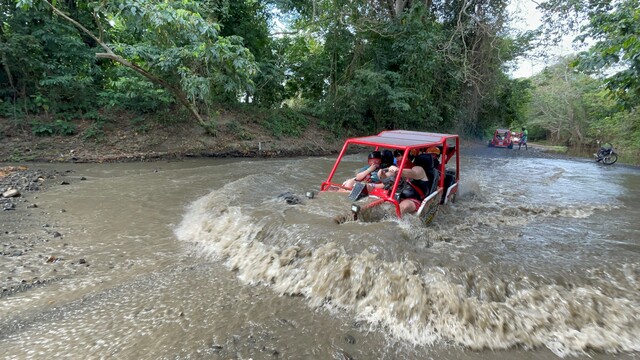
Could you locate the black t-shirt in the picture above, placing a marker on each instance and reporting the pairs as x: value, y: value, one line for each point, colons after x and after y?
x: 427, y: 162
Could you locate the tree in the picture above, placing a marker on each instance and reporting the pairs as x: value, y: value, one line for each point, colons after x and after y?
x: 615, y: 28
x: 567, y: 104
x: 168, y: 43
x: 394, y: 63
x: 44, y: 63
x: 617, y: 47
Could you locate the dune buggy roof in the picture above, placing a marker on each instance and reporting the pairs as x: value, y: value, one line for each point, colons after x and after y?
x: 402, y: 139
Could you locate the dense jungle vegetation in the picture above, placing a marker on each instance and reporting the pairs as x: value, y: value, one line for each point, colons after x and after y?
x: 354, y: 66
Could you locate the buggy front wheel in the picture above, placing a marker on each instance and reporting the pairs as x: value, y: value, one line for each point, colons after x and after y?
x: 610, y: 159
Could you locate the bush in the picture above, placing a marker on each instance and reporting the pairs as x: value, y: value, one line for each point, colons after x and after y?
x: 235, y: 128
x: 94, y: 131
x: 59, y: 127
x: 285, y: 122
x: 135, y: 94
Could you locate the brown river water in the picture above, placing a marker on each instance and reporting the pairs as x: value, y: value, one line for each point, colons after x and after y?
x: 201, y: 259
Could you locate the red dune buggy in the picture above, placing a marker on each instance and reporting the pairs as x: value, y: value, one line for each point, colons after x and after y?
x: 445, y: 180
x: 502, y: 138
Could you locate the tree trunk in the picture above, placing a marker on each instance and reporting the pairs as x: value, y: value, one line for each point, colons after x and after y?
x: 5, y: 63
x: 399, y: 7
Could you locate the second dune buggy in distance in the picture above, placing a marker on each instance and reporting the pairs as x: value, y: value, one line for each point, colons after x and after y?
x: 503, y: 138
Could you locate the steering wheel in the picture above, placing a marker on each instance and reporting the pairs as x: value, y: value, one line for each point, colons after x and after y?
x: 389, y: 182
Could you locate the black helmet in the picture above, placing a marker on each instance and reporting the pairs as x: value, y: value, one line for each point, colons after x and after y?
x: 375, y: 157
x: 387, y: 158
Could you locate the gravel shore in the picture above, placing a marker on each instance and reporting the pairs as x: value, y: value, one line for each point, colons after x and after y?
x: 29, y: 242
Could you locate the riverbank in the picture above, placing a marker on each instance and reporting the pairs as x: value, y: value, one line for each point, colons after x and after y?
x: 124, y: 140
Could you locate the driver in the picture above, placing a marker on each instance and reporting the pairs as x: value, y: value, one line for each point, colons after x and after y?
x: 418, y: 183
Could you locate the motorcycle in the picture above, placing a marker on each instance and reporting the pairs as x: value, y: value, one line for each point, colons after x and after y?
x: 607, y: 155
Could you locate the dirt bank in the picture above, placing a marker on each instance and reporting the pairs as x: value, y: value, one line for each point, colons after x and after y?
x: 122, y: 139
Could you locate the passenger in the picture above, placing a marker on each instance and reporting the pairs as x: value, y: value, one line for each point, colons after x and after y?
x: 387, y: 159
x: 376, y: 181
x: 435, y: 154
x: 397, y: 154
x: 367, y: 173
x: 418, y: 183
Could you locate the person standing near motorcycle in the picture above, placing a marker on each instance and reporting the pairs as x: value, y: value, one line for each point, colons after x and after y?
x: 523, y: 138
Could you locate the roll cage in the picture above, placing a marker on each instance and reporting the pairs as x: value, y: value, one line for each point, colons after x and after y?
x: 409, y: 142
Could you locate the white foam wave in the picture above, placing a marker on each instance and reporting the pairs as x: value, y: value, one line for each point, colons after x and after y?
x: 421, y: 306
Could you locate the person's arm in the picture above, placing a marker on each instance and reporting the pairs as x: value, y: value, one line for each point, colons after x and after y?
x: 414, y: 173
x: 363, y: 174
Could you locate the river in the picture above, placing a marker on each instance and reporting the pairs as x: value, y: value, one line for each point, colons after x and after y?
x: 537, y: 259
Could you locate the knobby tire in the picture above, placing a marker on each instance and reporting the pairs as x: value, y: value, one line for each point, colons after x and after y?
x: 610, y: 159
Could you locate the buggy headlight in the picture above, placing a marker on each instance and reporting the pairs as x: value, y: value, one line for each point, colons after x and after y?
x: 355, y: 208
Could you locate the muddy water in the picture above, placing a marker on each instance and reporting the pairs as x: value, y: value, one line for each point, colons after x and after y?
x: 538, y: 258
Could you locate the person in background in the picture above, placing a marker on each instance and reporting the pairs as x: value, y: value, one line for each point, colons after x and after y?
x: 397, y: 154
x: 387, y: 159
x: 523, y: 138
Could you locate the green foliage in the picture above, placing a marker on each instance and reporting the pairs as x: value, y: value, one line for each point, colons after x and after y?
x: 45, y: 61
x: 612, y: 31
x: 559, y: 104
x: 94, y: 132
x: 508, y: 106
x: 235, y: 128
x: 620, y: 128
x: 59, y: 127
x: 169, y: 42
x: 285, y: 122
x: 617, y: 35
x: 131, y: 92
x: 357, y: 65
x: 250, y: 20
x: 571, y: 108
x: 185, y: 50
x: 140, y: 124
